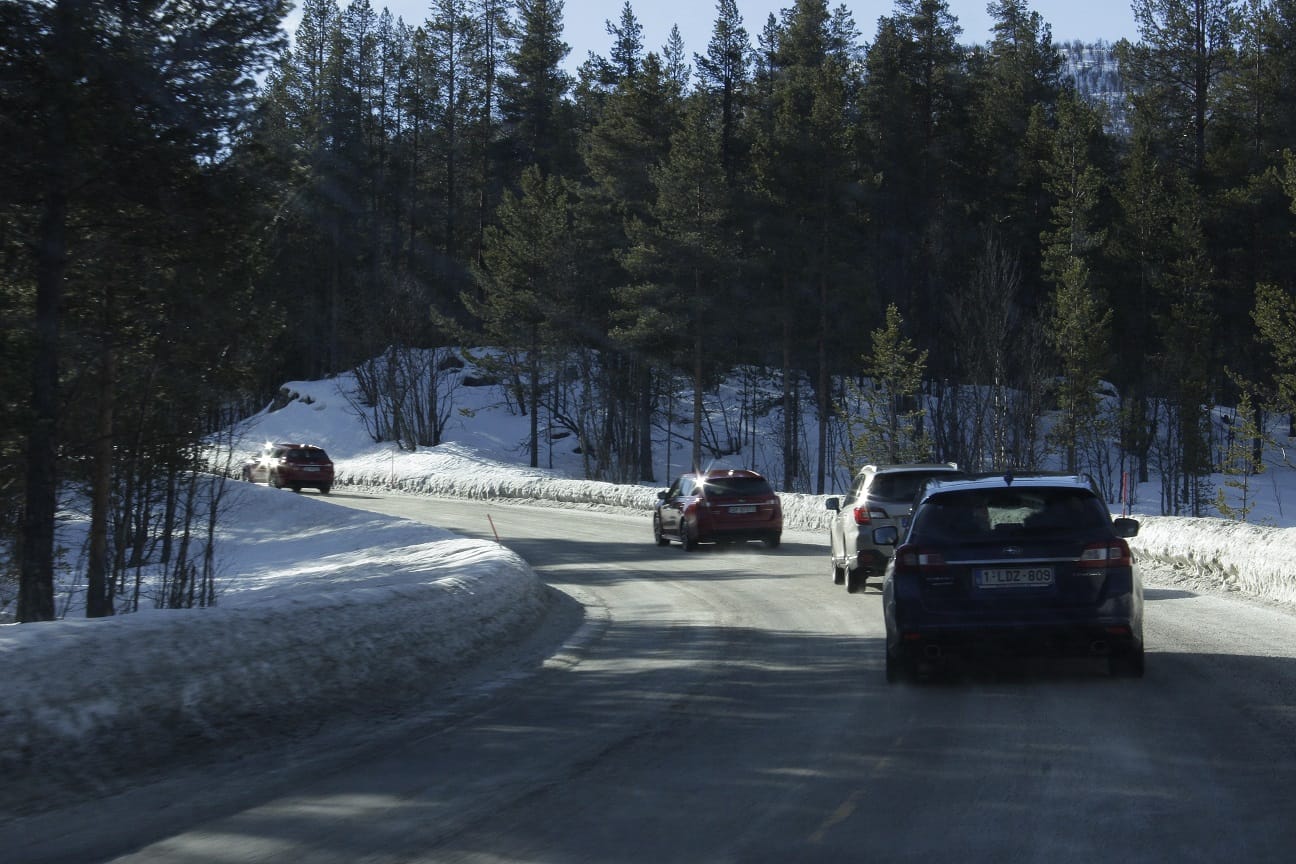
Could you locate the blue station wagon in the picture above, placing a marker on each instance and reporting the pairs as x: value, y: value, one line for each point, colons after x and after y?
x: 1032, y: 564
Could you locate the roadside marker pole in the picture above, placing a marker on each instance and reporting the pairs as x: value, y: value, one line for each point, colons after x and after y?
x: 493, y: 531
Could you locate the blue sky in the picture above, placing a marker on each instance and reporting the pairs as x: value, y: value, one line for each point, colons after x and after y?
x: 585, y: 21
x: 585, y: 28
x: 586, y: 31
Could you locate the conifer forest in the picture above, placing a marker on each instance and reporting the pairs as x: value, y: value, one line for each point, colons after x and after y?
x: 933, y: 244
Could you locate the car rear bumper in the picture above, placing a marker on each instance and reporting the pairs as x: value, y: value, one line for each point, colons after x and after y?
x: 1096, y: 638
x: 305, y: 478
x: 736, y: 535
x: 871, y: 560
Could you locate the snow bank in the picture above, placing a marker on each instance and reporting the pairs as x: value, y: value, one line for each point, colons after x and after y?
x: 1229, y: 556
x: 453, y: 471
x: 326, y: 610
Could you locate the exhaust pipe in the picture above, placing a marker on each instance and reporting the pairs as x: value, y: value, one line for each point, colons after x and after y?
x: 1099, y: 647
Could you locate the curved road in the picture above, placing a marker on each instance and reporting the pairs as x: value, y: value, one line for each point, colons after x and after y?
x: 728, y: 705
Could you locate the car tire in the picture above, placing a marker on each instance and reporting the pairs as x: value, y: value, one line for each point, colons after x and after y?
x: 275, y: 481
x: 247, y: 475
x: 1129, y: 665
x: 324, y: 490
x: 687, y: 540
x: 657, y: 532
x: 854, y: 580
x: 773, y: 541
x: 894, y: 670
x: 297, y: 489
x: 838, y: 573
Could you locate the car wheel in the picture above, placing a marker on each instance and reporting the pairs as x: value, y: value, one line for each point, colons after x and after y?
x: 275, y: 481
x: 839, y: 573
x: 893, y: 667
x: 657, y: 532
x: 247, y: 475
x: 687, y: 540
x: 1128, y: 665
x: 854, y: 580
x: 773, y: 541
x: 324, y: 490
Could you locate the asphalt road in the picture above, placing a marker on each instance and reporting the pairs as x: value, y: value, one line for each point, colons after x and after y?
x: 729, y: 705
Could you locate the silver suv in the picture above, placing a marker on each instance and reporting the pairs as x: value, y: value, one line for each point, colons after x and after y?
x: 881, y: 495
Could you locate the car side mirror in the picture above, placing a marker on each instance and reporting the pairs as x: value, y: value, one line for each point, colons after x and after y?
x: 888, y: 535
x: 833, y: 504
x: 661, y: 495
x: 1125, y: 527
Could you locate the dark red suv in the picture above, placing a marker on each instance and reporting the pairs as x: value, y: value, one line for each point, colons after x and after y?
x: 719, y: 506
x: 292, y: 465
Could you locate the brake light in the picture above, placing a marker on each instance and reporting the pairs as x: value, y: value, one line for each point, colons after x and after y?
x: 865, y: 516
x: 920, y: 559
x: 1109, y: 553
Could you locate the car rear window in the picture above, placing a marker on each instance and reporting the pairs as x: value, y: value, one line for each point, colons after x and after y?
x: 312, y: 455
x: 1024, y: 512
x: 902, y: 485
x: 749, y: 487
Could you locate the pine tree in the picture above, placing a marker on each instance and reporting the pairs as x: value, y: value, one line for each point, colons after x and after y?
x: 523, y: 283
x: 494, y: 24
x: 725, y: 73
x: 1236, y: 499
x: 675, y: 62
x: 453, y: 45
x: 1186, y: 46
x: 803, y: 168
x: 1249, y: 223
x: 890, y: 427
x: 1188, y: 376
x: 630, y: 142
x: 681, y: 262
x: 1015, y: 87
x: 1274, y: 314
x: 913, y: 124
x: 532, y: 93
x: 1078, y: 333
x: 1142, y: 245
x: 627, y: 45
x: 1081, y: 318
x: 128, y: 112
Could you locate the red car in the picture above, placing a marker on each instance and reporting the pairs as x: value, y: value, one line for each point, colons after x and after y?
x: 292, y: 465
x: 719, y: 506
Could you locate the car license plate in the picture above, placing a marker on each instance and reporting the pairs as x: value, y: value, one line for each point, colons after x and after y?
x: 310, y: 467
x: 745, y: 508
x: 1014, y: 577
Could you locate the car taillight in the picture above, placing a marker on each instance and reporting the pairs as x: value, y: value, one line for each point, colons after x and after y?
x: 920, y: 559
x: 1108, y: 553
x: 865, y: 515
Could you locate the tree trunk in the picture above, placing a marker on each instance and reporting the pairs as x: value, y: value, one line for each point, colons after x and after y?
x: 36, y: 555
x: 533, y: 397
x: 695, y: 463
x: 821, y: 398
x: 98, y: 602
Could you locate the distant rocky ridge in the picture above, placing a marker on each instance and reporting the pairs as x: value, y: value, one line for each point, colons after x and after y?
x: 1096, y: 74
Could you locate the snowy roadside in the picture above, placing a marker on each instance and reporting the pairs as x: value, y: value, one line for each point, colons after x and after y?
x: 324, y: 609
x: 1219, y: 555
x: 453, y: 471
x: 327, y: 609
x: 1209, y: 554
